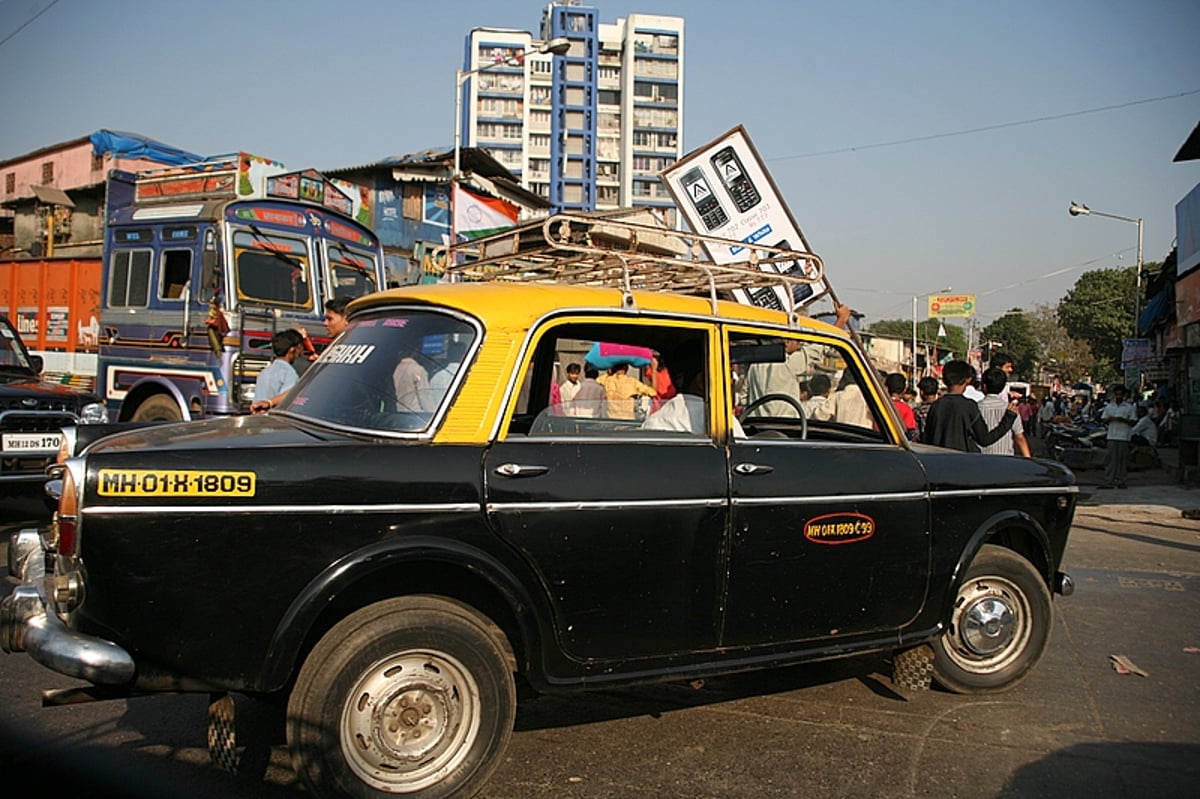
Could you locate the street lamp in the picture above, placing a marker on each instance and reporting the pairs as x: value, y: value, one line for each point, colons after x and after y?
x: 1077, y: 209
x: 557, y: 46
x: 914, y: 327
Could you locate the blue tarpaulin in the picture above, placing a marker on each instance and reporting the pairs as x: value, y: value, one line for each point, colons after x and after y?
x: 132, y: 145
x: 1158, y: 308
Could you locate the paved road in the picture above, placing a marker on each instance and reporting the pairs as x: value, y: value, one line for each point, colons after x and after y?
x: 1074, y: 728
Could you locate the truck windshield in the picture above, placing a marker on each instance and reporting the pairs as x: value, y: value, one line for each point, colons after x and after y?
x: 390, y: 372
x: 272, y: 269
x: 351, y: 271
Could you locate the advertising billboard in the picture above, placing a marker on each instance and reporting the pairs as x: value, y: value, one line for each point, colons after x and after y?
x: 723, y: 189
x: 947, y: 305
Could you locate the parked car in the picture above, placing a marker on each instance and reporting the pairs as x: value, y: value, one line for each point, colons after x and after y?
x: 391, y: 554
x: 33, y: 413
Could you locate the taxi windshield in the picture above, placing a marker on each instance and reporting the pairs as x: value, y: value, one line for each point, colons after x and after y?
x: 389, y: 372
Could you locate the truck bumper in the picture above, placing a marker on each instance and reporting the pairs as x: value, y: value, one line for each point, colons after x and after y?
x: 29, y: 623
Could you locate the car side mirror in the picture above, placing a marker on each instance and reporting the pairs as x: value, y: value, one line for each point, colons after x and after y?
x: 37, y: 362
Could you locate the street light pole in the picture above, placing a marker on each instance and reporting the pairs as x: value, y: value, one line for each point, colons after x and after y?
x: 1078, y: 209
x: 914, y: 327
x: 557, y: 46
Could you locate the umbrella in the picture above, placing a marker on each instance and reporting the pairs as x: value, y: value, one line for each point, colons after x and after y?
x: 603, y: 355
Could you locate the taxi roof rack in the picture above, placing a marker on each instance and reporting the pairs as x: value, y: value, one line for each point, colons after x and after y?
x: 627, y: 249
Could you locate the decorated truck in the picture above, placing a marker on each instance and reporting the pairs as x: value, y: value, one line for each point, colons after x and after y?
x: 201, y: 265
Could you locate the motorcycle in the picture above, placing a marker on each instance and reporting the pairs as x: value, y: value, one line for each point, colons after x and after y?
x: 1083, y: 445
x: 1074, y: 435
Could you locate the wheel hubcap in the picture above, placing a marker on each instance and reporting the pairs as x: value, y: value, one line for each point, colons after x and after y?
x: 409, y: 720
x: 991, y: 625
x: 988, y: 625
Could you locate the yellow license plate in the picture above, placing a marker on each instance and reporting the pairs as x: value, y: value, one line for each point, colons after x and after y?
x: 175, y: 483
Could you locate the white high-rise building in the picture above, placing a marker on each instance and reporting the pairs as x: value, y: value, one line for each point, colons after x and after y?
x: 590, y: 129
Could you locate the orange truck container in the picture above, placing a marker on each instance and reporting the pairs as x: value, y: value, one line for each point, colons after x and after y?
x: 55, y: 305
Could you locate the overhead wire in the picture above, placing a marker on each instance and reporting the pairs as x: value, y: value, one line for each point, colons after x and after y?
x: 28, y: 22
x: 986, y: 128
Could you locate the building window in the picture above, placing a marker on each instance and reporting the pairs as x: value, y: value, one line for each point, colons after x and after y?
x: 412, y: 203
x: 10, y: 182
x: 47, y: 172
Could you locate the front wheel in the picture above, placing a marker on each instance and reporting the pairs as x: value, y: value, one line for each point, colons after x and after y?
x: 411, y: 696
x: 158, y: 408
x: 999, y: 627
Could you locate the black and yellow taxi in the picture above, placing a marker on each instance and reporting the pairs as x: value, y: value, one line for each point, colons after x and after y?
x: 432, y: 514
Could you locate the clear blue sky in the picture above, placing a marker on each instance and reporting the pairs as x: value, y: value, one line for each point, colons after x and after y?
x: 819, y: 87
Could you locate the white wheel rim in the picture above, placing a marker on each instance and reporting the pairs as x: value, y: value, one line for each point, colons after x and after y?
x: 410, y: 721
x: 991, y: 626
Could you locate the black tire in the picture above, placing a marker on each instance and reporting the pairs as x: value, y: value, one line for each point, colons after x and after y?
x: 411, y: 696
x: 158, y: 408
x: 999, y: 627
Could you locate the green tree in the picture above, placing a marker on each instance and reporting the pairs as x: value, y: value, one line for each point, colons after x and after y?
x: 1016, y: 338
x: 1070, y: 359
x: 1099, y: 311
x: 954, y: 341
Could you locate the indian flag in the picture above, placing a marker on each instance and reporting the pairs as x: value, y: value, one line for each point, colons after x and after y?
x: 476, y: 216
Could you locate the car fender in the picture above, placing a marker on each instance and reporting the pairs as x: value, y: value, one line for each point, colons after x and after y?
x: 339, y: 579
x: 998, y: 529
x: 149, y: 386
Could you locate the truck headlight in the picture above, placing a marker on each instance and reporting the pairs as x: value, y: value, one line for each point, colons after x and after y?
x: 94, y: 413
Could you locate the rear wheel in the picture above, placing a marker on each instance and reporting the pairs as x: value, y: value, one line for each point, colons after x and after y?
x: 159, y: 408
x: 410, y: 696
x: 999, y: 627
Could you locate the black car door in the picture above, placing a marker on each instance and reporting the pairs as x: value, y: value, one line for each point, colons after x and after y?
x: 625, y: 524
x: 829, y: 519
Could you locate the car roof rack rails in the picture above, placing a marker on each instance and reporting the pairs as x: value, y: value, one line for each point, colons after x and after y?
x: 626, y: 249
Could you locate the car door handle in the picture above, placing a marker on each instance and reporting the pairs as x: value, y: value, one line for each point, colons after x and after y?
x: 752, y: 468
x: 520, y: 470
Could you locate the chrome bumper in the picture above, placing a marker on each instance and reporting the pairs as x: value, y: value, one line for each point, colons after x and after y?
x: 1063, y: 584
x: 28, y: 623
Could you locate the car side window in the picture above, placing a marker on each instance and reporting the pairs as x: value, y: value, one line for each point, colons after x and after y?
x: 616, y: 380
x: 791, y: 386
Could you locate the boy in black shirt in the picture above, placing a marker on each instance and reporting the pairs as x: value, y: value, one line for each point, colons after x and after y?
x: 955, y: 422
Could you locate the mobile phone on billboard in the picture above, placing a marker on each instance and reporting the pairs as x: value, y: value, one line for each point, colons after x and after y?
x: 733, y: 174
x: 800, y: 291
x: 703, y: 199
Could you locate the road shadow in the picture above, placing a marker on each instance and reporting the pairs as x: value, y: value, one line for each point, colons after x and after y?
x: 1116, y: 770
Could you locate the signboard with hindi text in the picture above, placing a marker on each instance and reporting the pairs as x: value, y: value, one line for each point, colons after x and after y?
x: 945, y: 305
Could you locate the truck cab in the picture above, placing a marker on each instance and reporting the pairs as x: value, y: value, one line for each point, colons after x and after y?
x: 202, y: 265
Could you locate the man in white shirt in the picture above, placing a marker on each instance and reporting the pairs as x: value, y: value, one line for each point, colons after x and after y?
x: 992, y: 408
x: 1119, y: 416
x: 1144, y: 431
x: 570, y: 387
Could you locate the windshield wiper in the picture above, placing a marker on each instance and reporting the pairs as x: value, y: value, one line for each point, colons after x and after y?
x: 263, y: 239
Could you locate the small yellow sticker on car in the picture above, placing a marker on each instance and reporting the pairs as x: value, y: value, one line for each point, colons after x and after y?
x: 175, y: 483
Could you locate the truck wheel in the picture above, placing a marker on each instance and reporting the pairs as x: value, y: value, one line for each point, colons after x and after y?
x: 159, y: 408
x: 412, y: 695
x: 999, y: 627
